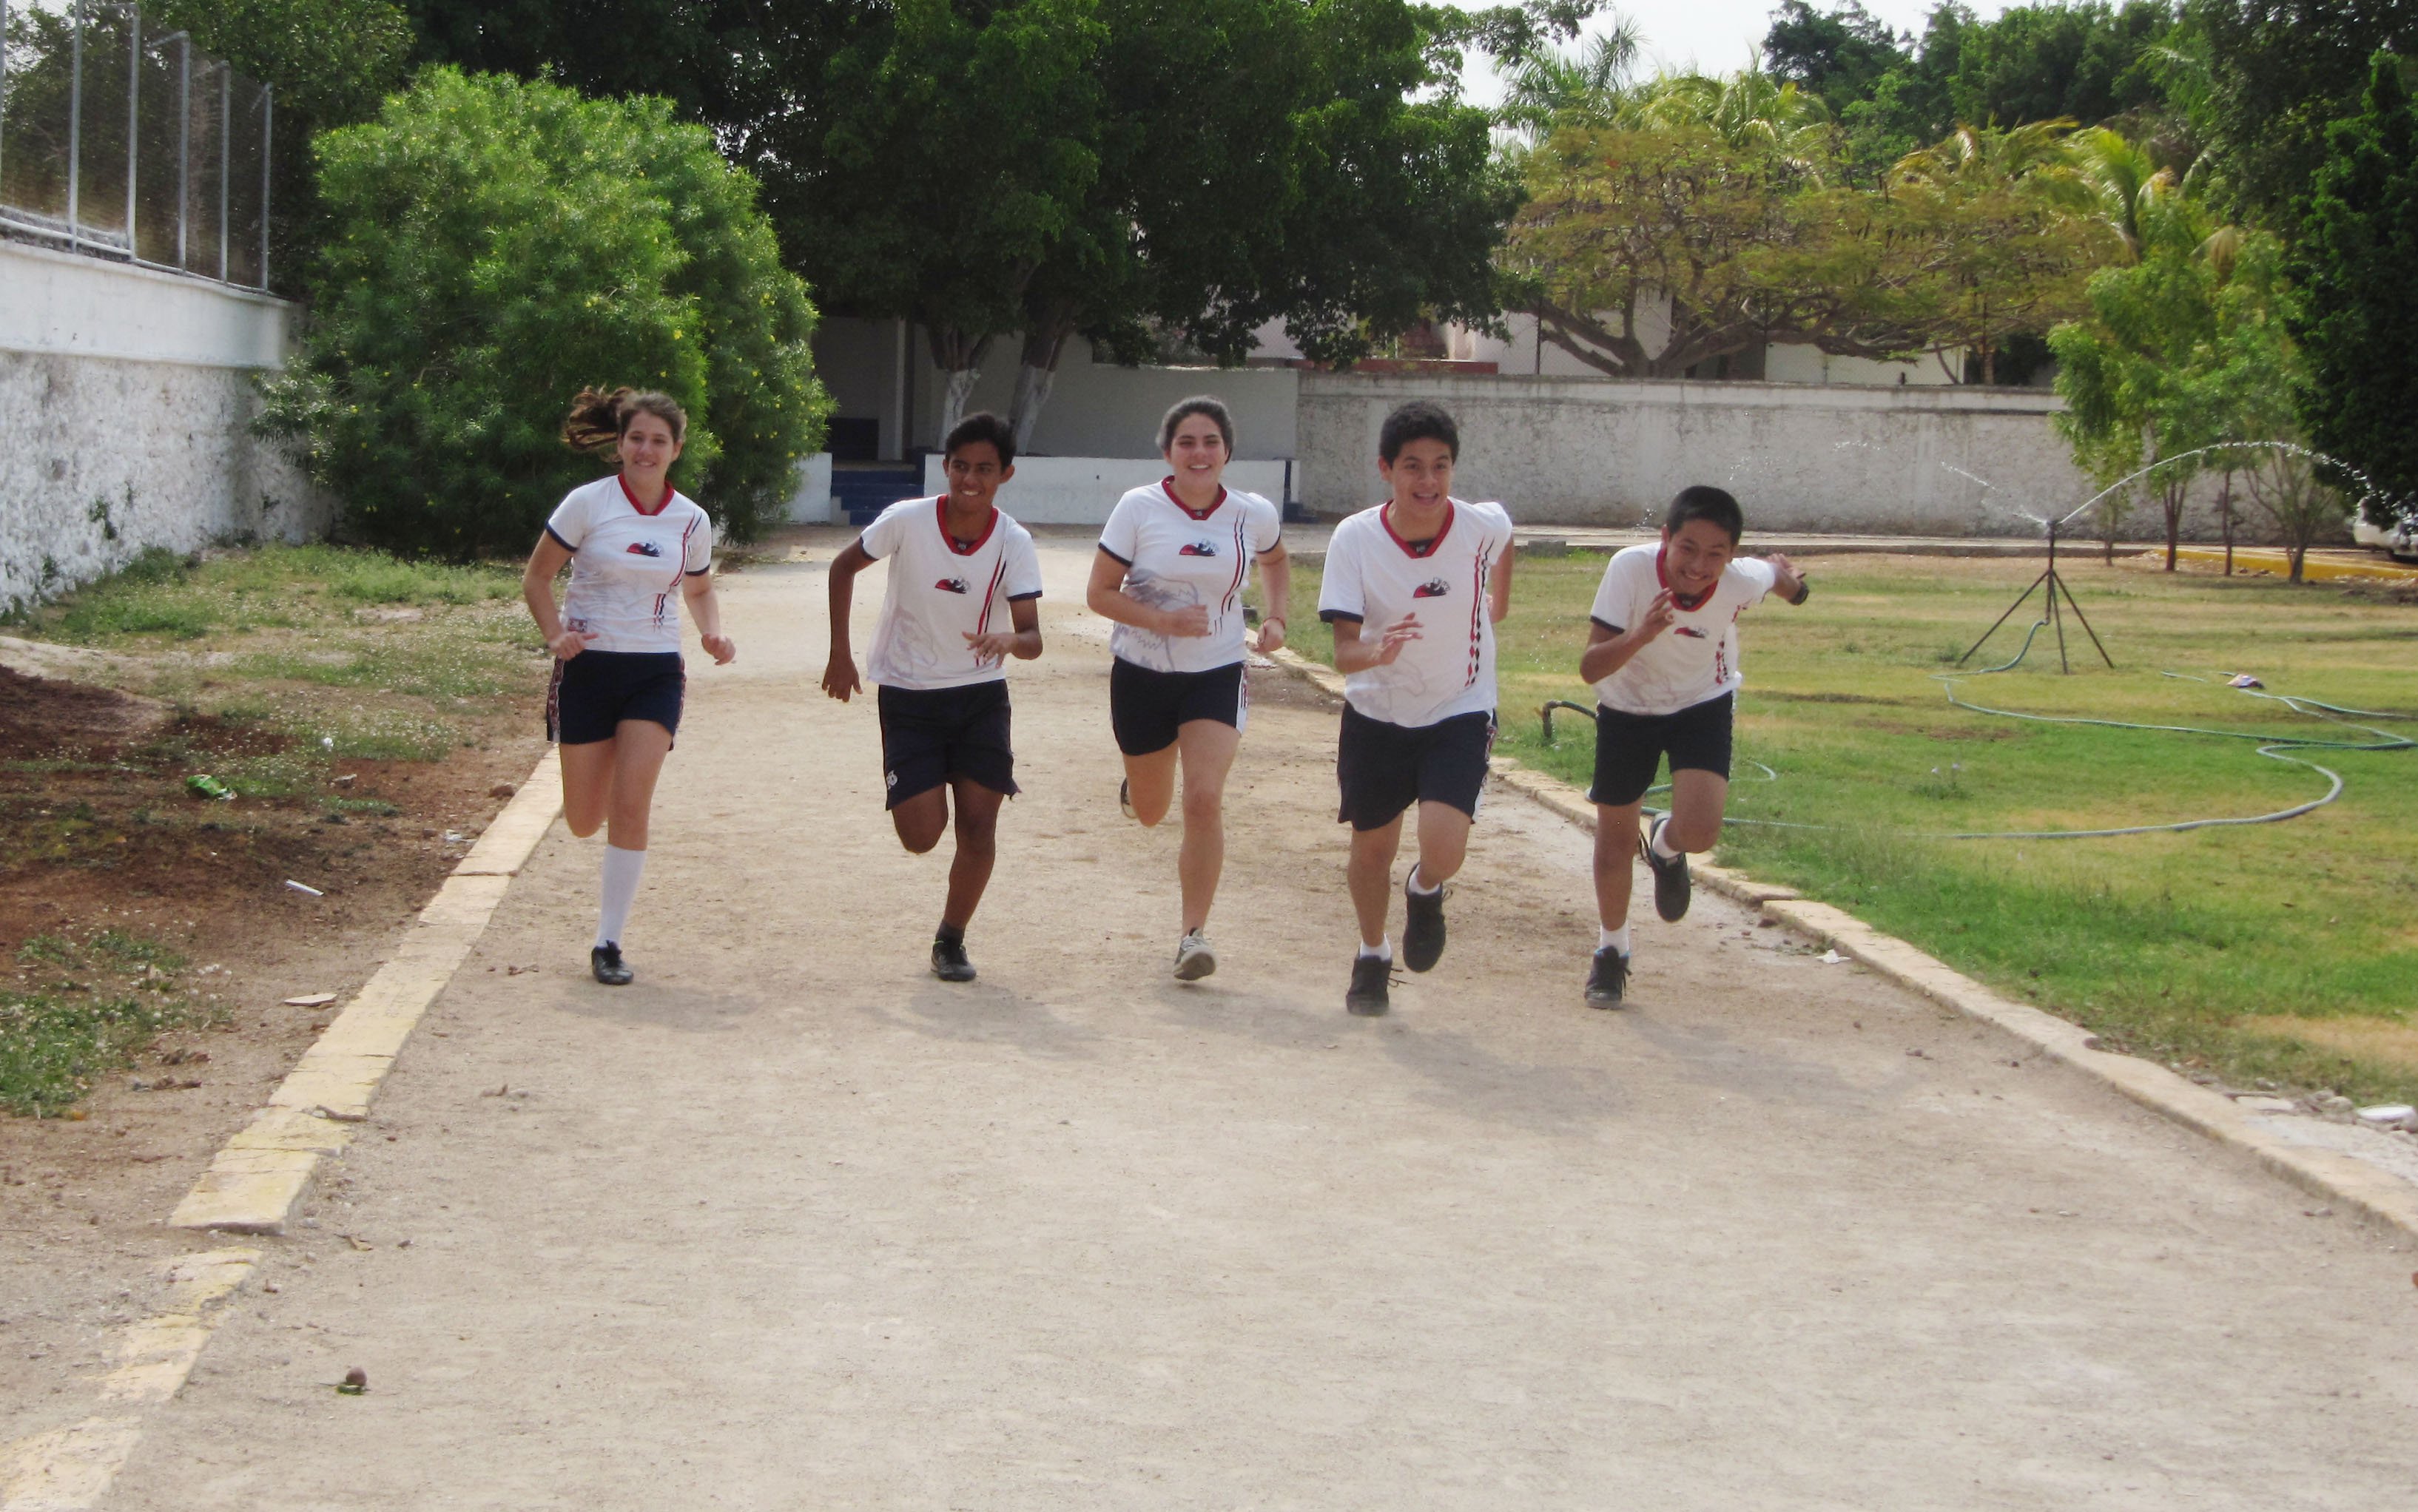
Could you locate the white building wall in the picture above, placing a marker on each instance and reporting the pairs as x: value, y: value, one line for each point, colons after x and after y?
x: 129, y: 398
x: 1098, y: 409
x: 1608, y: 452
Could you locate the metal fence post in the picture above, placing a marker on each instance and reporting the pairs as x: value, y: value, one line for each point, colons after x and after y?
x: 184, y: 149
x: 133, y: 122
x: 268, y: 120
x: 76, y: 127
x: 227, y: 156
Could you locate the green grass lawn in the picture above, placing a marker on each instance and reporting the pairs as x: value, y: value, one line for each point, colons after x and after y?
x: 2286, y: 952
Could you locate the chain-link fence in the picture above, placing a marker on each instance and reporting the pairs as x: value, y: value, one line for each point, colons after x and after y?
x: 121, y: 143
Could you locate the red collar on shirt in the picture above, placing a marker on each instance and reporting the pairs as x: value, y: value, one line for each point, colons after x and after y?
x: 627, y: 493
x: 1416, y: 548
x: 941, y: 514
x: 1678, y: 599
x: 1167, y: 486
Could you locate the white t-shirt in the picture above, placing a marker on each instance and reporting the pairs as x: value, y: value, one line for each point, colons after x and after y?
x: 627, y: 565
x: 1176, y: 558
x: 1698, y: 658
x: 941, y: 593
x: 1373, y: 575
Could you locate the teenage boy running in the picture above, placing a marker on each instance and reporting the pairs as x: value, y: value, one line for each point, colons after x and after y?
x: 1662, y: 653
x: 959, y: 567
x: 1412, y: 590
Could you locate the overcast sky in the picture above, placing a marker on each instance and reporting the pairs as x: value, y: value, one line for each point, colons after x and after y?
x: 1717, y: 35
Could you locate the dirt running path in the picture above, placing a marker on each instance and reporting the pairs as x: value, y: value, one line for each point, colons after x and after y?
x: 791, y: 1225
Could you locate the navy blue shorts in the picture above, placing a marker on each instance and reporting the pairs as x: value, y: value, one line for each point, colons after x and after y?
x: 1384, y: 769
x: 1628, y: 747
x: 595, y: 691
x: 931, y: 736
x: 1147, y: 707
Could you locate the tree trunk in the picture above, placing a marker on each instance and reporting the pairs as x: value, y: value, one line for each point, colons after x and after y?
x: 2177, y: 497
x: 960, y: 356
x: 2224, y: 516
x: 1045, y: 343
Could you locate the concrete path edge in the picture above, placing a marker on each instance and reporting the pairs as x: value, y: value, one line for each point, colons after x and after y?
x: 262, y: 1171
x: 2376, y: 1197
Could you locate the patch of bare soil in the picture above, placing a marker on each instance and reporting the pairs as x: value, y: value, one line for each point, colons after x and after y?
x: 98, y: 831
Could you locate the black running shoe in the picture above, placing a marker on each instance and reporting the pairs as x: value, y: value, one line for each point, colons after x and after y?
x: 1607, y: 978
x: 1423, y: 927
x: 1366, y: 997
x: 1670, y: 880
x: 949, y: 961
x: 605, y: 962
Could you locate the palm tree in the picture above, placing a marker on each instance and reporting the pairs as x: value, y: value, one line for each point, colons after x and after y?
x: 1552, y: 89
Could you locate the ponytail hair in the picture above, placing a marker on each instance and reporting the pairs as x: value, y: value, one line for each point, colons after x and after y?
x: 598, y: 419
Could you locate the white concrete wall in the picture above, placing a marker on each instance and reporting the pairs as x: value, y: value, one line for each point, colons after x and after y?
x: 812, y: 502
x: 1606, y: 451
x: 1099, y: 410
x: 858, y: 362
x: 1523, y: 354
x: 1083, y: 490
x: 127, y: 398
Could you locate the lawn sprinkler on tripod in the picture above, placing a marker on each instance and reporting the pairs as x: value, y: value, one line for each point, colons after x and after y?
x: 2051, y: 584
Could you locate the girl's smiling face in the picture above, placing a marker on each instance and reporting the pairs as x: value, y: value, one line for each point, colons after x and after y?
x: 1198, y: 452
x: 648, y: 445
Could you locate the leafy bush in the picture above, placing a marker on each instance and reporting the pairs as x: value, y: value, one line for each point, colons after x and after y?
x: 494, y: 245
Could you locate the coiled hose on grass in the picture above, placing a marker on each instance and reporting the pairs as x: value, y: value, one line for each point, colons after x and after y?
x: 2271, y: 747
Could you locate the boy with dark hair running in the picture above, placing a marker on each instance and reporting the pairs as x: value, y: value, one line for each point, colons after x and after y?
x: 1412, y: 590
x: 962, y: 597
x: 1662, y: 653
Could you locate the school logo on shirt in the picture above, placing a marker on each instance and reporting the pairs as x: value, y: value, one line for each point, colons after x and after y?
x: 1434, y: 588
x: 645, y: 548
x: 1198, y: 548
x: 954, y: 585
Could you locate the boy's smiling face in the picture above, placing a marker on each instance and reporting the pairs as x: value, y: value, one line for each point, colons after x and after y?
x: 975, y: 473
x: 1420, y: 473
x: 1695, y: 555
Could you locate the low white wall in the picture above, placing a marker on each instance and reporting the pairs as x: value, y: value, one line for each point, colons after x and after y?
x: 1083, y: 490
x: 1102, y: 410
x: 130, y: 398
x: 812, y: 502
x: 1606, y: 451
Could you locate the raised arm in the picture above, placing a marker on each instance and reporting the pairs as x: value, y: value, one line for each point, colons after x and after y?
x: 537, y: 591
x: 1275, y: 589
x: 1106, y: 596
x: 1610, y: 648
x: 1786, y: 580
x: 705, y: 606
x: 839, y: 669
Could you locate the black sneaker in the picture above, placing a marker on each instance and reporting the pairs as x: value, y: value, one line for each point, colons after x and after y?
x: 1422, y: 927
x: 1670, y: 879
x: 1607, y: 978
x: 605, y: 962
x: 949, y: 961
x: 1367, y: 997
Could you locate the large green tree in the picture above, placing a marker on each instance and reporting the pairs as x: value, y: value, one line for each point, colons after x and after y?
x: 2357, y: 315
x: 2280, y: 73
x: 494, y: 246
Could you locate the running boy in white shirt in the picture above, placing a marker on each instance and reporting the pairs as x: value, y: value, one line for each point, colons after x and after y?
x: 1412, y: 590
x: 1662, y: 653
x: 963, y: 596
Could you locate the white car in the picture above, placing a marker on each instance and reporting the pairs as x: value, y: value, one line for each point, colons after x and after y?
x: 2398, y: 541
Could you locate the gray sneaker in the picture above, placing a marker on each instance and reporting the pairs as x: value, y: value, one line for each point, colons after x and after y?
x: 1194, y: 959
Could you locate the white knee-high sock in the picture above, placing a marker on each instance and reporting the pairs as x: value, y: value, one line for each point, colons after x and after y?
x: 1660, y: 845
x: 620, y: 890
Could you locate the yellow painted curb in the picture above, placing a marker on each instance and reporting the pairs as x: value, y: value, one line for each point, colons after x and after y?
x: 69, y: 1469
x: 2374, y: 1196
x: 262, y: 1171
x: 2314, y: 570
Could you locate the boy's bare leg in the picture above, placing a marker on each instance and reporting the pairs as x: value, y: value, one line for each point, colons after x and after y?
x: 1698, y: 799
x: 1372, y: 876
x: 1616, y: 858
x: 1444, y: 843
x: 977, y: 849
x: 921, y: 820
